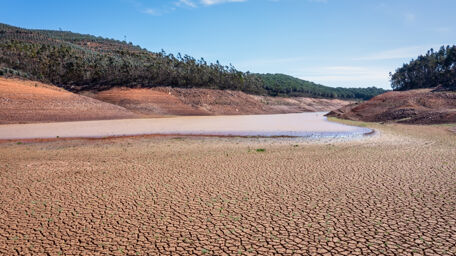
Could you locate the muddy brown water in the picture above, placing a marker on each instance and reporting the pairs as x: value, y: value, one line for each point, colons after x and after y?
x: 312, y: 124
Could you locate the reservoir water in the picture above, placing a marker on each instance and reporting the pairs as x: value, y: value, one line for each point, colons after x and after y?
x: 311, y: 124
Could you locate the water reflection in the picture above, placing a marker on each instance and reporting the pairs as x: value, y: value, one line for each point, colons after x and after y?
x: 312, y: 124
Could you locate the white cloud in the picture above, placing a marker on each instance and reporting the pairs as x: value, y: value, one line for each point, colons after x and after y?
x: 187, y: 3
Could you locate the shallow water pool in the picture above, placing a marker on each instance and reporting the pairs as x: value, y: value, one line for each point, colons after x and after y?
x: 311, y: 124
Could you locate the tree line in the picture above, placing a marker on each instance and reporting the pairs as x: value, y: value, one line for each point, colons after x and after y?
x: 435, y: 68
x: 284, y: 85
x: 80, y: 62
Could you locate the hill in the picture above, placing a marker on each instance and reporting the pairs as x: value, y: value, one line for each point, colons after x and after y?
x: 78, y: 62
x: 435, y: 68
x: 284, y: 85
x: 25, y: 101
x: 409, y: 102
x: 420, y: 106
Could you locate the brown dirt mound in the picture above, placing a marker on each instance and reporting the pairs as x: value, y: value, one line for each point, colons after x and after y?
x: 179, y: 101
x: 29, y: 101
x: 423, y: 106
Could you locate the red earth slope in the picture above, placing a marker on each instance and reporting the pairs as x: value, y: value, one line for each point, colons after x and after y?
x: 423, y: 106
x: 193, y: 101
x: 28, y: 101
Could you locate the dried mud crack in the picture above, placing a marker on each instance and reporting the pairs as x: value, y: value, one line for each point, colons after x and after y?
x: 389, y: 194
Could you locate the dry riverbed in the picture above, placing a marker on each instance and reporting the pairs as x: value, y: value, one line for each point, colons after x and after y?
x: 393, y: 193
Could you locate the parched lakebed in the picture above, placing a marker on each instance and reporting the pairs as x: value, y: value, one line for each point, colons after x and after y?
x: 390, y: 194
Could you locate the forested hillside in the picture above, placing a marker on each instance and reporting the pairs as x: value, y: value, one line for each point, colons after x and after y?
x: 80, y: 62
x: 430, y: 70
x: 284, y: 85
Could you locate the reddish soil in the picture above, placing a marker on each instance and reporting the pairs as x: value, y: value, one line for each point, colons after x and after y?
x: 24, y: 101
x: 149, y: 101
x: 29, y: 101
x: 178, y: 101
x: 423, y: 106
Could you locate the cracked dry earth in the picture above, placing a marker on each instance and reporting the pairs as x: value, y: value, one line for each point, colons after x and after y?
x: 389, y: 194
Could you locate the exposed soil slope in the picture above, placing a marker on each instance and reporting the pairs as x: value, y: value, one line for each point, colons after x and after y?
x: 423, y: 106
x: 29, y: 101
x: 23, y: 101
x: 178, y: 101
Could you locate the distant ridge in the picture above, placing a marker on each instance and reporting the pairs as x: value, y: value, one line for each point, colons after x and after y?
x: 284, y: 85
x: 78, y: 62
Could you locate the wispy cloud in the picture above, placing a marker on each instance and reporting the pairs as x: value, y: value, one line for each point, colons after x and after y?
x: 399, y: 53
x: 346, y: 75
x: 187, y: 3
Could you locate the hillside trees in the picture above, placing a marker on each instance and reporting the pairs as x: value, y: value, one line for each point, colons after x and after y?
x: 430, y: 70
x: 79, y: 62
x: 284, y: 85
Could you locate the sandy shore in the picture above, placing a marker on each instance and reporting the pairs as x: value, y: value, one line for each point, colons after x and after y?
x: 390, y: 194
x: 302, y: 124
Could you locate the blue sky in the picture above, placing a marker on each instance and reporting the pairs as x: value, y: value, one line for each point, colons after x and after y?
x: 348, y: 43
